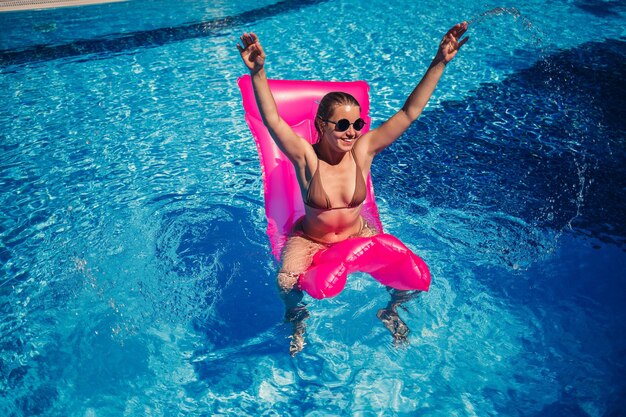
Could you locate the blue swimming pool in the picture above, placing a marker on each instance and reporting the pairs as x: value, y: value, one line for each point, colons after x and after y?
x: 135, y: 274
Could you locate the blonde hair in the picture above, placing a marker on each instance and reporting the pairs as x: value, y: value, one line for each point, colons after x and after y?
x: 327, y: 105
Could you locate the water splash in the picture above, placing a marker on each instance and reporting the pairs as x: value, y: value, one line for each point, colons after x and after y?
x: 497, y: 11
x: 535, y: 32
x: 558, y: 84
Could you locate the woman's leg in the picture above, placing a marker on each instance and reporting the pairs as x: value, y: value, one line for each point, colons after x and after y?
x: 296, y: 258
x: 389, y: 315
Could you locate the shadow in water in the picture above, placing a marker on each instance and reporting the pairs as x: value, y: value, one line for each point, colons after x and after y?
x: 606, y: 8
x: 544, y: 145
x: 225, y: 254
x: 242, y: 314
x: 546, y: 148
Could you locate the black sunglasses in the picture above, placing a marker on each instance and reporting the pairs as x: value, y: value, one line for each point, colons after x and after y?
x: 344, y: 124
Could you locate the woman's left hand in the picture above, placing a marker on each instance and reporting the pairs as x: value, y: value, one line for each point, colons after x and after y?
x: 252, y: 52
x: 450, y: 44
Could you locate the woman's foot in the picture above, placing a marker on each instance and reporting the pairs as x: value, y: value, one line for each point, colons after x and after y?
x: 392, y: 321
x: 296, y: 317
x: 297, y: 341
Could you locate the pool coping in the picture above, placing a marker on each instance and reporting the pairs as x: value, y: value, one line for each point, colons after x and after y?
x: 17, y: 5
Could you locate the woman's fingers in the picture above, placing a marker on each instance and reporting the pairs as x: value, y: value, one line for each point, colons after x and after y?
x: 457, y: 30
x: 248, y: 39
x: 453, y: 30
x: 260, y: 49
x: 451, y: 39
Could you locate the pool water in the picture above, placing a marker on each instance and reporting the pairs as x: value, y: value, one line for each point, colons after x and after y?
x: 135, y: 274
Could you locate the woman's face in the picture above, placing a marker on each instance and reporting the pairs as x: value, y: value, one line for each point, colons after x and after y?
x: 342, y: 141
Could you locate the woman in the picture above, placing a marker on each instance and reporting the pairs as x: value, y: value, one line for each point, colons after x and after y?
x: 332, y: 172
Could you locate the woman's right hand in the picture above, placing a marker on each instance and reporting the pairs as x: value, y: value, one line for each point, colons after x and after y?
x: 252, y: 52
x: 451, y: 43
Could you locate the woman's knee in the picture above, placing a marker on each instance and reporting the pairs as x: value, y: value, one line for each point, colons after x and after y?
x: 287, y: 281
x: 289, y: 289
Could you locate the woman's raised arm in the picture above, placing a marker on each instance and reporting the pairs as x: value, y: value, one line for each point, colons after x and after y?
x: 393, y: 128
x: 252, y: 54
